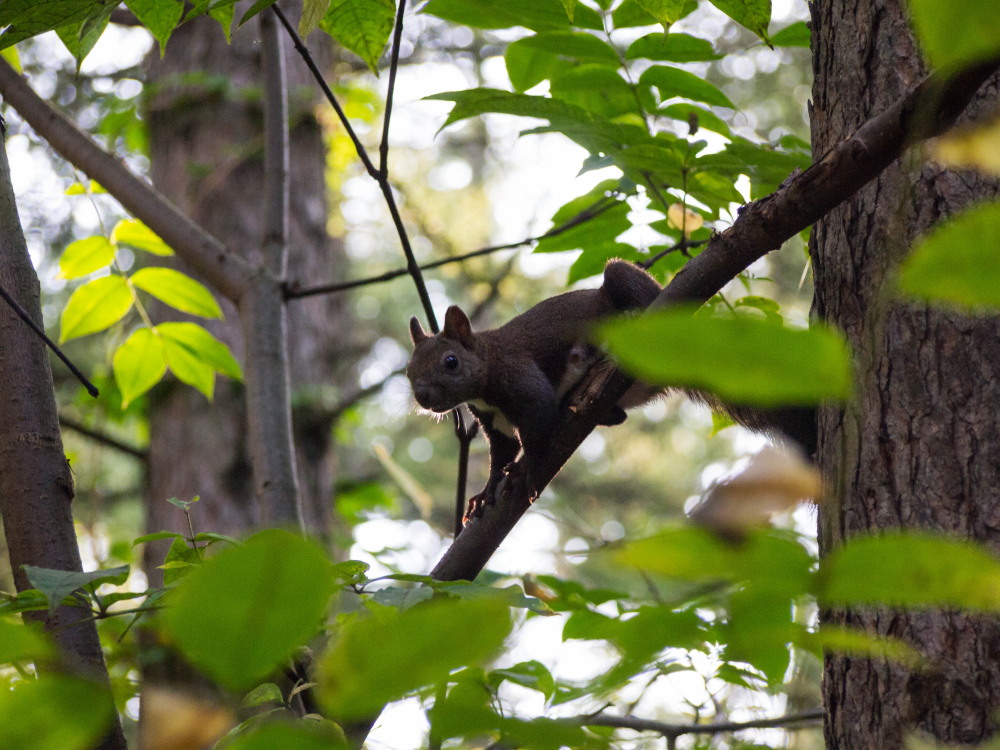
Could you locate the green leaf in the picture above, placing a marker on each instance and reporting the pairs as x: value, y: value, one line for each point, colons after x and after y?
x: 86, y: 256
x: 58, y: 584
x: 699, y: 116
x: 793, y: 35
x: 598, y: 231
x: 22, y: 642
x: 380, y: 658
x: 180, y: 561
x: 666, y: 12
x: 350, y: 571
x: 80, y: 37
x: 178, y: 290
x: 255, y: 9
x: 96, y: 305
x: 312, y: 13
x: 597, y: 89
x: 956, y: 263
x: 742, y: 360
x: 54, y: 713
x: 134, y: 233
x: 529, y: 674
x: 671, y: 82
x: 481, y: 101
x: 544, y: 55
x: 139, y: 364
x: 909, y: 569
x: 457, y: 718
x: 243, y: 612
x: 754, y: 15
x: 203, y: 346
x: 300, y: 735
x: 267, y: 692
x: 671, y: 48
x: 856, y: 642
x: 28, y: 18
x: 537, y: 15
x: 189, y: 367
x: 956, y: 34
x: 768, y: 561
x: 362, y: 26
x: 159, y: 16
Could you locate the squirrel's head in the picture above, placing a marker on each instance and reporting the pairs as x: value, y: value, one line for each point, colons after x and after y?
x: 445, y: 370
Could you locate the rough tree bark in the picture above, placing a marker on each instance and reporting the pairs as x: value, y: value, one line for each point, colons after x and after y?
x: 918, y: 448
x: 205, y: 125
x: 36, y: 485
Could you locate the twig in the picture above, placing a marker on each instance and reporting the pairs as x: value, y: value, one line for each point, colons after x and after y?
x: 23, y: 315
x: 809, y: 717
x: 102, y: 438
x: 380, y: 176
x: 587, y: 214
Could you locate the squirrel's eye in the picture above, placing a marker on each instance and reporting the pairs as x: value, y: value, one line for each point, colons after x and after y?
x: 451, y: 362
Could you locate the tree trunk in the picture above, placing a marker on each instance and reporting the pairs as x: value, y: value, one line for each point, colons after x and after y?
x: 917, y: 449
x: 205, y: 127
x: 36, y: 485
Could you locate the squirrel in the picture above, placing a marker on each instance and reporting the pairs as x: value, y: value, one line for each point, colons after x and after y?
x: 513, y: 378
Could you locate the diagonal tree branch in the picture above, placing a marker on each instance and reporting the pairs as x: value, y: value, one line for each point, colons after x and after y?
x: 226, y: 271
x: 762, y: 226
x: 797, y: 720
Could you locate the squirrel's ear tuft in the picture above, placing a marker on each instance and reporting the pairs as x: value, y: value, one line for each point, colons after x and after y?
x: 457, y: 326
x: 416, y: 331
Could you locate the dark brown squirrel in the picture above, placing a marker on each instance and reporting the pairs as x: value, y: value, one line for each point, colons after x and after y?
x: 513, y: 378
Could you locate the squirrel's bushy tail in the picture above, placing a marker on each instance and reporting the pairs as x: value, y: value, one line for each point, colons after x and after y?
x: 628, y: 286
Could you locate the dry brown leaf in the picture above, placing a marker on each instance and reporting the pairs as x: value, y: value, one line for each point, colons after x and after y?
x: 775, y: 480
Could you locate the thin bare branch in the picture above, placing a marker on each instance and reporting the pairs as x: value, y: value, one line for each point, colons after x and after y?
x: 102, y: 438
x: 23, y: 315
x: 797, y: 720
x: 584, y: 216
x: 381, y: 176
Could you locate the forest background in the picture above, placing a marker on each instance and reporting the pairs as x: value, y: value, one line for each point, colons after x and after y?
x: 658, y: 120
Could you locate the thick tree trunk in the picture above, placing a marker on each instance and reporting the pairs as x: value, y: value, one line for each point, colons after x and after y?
x: 205, y: 125
x: 918, y: 447
x: 36, y: 485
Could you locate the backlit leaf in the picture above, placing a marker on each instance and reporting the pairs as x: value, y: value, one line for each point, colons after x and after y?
x: 86, y: 256
x: 381, y: 657
x: 954, y: 34
x: 362, y: 26
x: 910, y: 569
x: 243, y: 612
x: 671, y: 82
x: 134, y: 233
x: 96, y: 305
x: 178, y: 290
x: 742, y: 360
x: 139, y: 364
x: 671, y: 48
x: 54, y: 712
x: 537, y: 15
x: 159, y: 16
x: 754, y: 15
x: 204, y: 346
x: 956, y: 263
